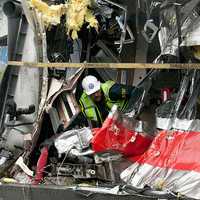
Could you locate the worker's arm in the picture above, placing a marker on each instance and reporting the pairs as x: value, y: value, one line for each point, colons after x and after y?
x: 119, y: 91
x: 130, y: 93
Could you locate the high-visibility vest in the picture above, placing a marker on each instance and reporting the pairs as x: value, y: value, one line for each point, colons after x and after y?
x: 90, y: 109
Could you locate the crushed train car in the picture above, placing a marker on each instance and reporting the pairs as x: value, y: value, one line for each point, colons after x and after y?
x: 50, y: 147
x: 49, y: 150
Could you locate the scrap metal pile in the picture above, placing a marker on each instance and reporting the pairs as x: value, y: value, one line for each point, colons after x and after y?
x: 167, y: 30
x: 170, y: 29
x: 171, y: 26
x: 154, y: 31
x: 92, y: 30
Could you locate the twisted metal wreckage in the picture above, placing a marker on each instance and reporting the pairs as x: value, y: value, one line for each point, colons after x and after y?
x: 142, y: 153
x: 164, y: 31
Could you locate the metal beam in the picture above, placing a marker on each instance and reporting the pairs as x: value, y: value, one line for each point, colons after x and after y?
x: 106, y: 65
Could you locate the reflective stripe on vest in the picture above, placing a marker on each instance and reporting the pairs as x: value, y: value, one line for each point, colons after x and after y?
x: 89, y: 108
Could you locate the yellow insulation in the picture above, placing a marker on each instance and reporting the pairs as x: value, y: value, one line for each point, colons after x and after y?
x: 76, y: 11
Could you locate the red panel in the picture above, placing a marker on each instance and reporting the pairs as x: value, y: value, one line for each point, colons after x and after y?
x: 114, y: 136
x: 176, y: 150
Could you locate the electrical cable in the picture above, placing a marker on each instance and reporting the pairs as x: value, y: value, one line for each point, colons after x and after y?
x: 58, y: 183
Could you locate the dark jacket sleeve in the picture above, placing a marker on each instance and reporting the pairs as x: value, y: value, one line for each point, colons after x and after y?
x: 119, y: 91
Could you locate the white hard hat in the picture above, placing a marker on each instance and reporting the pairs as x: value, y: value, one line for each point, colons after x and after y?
x: 90, y: 84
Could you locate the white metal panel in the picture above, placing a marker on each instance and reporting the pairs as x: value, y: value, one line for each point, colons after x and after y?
x: 184, y: 182
x: 3, y: 22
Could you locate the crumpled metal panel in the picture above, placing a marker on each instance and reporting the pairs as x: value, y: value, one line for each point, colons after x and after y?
x: 170, y: 164
x: 184, y: 182
x: 78, y: 139
x: 192, y: 37
x: 179, y: 124
x: 189, y: 31
x: 167, y: 47
x: 55, y: 86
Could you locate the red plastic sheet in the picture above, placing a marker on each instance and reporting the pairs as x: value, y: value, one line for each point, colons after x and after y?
x: 174, y: 149
x: 114, y: 136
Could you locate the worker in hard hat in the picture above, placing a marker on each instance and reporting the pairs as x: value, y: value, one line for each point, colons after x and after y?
x: 98, y: 98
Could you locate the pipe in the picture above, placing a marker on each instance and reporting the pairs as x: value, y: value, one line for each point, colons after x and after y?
x: 12, y: 9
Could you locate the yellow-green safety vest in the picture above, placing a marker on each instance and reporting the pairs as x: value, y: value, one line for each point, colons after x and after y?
x: 90, y: 109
